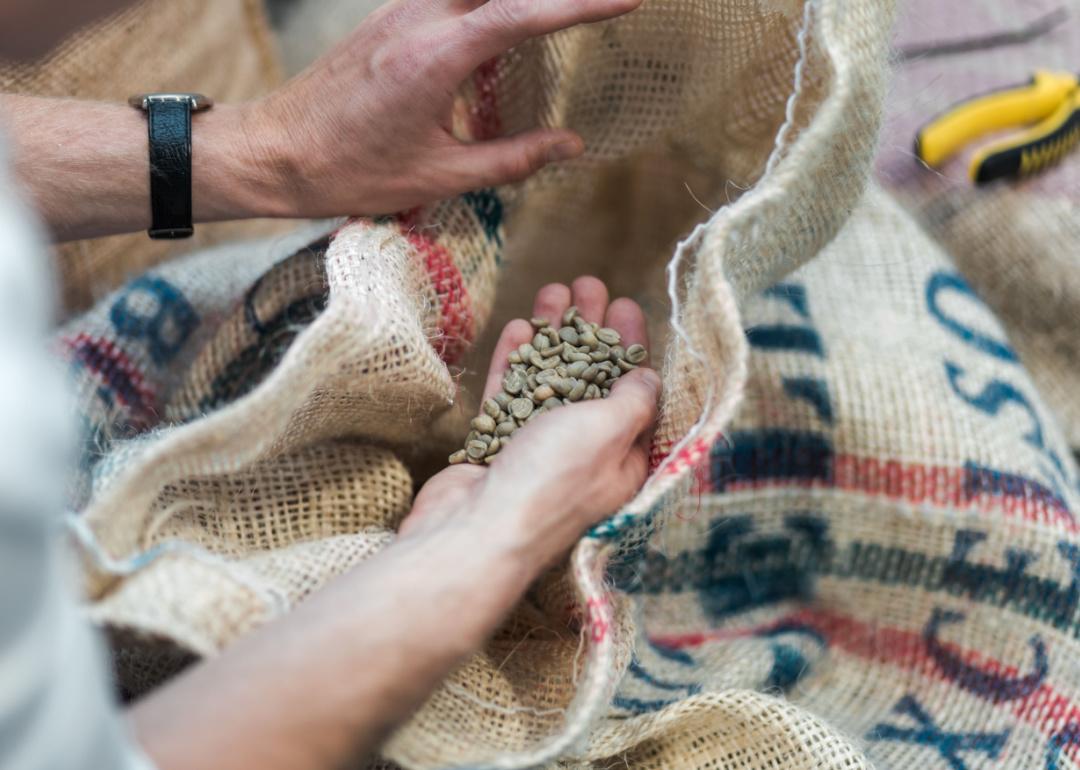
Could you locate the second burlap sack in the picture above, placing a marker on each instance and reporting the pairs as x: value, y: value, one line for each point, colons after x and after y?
x: 880, y: 565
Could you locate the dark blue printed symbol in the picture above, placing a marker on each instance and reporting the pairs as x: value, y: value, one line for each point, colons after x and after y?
x: 792, y: 293
x: 948, y: 745
x: 638, y: 672
x: 967, y: 578
x: 742, y: 573
x: 979, y: 480
x: 488, y: 208
x: 940, y: 282
x: 153, y: 310
x: 671, y: 653
x: 993, y: 398
x: 801, y: 339
x: 638, y: 706
x: 274, y: 330
x: 789, y: 663
x: 984, y: 684
x: 1045, y: 599
x: 1069, y: 736
x: 778, y: 454
x: 804, y: 339
x: 789, y: 666
x: 642, y: 706
x: 814, y: 391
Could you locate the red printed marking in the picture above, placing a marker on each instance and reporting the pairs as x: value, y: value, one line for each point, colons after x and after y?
x: 114, y: 371
x: 658, y: 452
x: 918, y: 484
x: 599, y: 620
x: 484, y: 113
x: 1045, y: 709
x: 693, y: 455
x: 457, y: 324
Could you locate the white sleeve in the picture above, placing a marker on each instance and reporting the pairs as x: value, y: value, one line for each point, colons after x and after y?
x: 57, y: 711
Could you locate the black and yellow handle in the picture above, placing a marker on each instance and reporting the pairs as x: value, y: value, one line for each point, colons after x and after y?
x: 1042, y: 145
x: 1049, y: 101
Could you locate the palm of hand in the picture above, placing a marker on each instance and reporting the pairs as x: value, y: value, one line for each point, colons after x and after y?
x: 566, y: 470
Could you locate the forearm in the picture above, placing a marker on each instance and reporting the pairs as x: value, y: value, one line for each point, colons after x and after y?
x: 85, y: 165
x: 333, y: 678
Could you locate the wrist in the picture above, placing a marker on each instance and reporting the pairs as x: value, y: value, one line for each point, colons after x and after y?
x: 236, y: 167
x: 519, y: 530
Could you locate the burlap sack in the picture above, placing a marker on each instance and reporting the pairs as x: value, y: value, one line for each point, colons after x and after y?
x: 1015, y: 242
x: 886, y: 538
x: 234, y: 402
x: 219, y: 47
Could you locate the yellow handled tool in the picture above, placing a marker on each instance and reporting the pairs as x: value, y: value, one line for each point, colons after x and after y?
x: 1049, y: 105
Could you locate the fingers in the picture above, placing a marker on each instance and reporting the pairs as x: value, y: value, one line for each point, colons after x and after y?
x: 515, y: 333
x: 635, y: 467
x: 590, y: 295
x: 636, y: 397
x: 513, y: 158
x: 625, y: 317
x: 458, y: 7
x: 551, y: 302
x: 499, y: 25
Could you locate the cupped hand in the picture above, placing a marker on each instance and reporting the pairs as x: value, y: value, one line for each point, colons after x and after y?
x: 367, y: 128
x: 566, y: 470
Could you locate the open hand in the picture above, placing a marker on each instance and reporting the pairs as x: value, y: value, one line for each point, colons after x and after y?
x: 566, y: 470
x: 367, y: 129
x: 477, y: 537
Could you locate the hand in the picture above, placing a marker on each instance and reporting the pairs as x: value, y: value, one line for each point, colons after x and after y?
x: 566, y: 470
x: 474, y: 541
x: 367, y: 129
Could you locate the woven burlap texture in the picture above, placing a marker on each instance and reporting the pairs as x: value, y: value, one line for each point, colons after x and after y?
x: 240, y: 389
x: 222, y: 48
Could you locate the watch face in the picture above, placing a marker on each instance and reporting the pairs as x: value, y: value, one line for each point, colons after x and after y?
x: 198, y: 102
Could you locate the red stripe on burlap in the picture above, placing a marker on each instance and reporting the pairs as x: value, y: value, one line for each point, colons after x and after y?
x: 918, y: 484
x: 1045, y: 709
x: 114, y: 370
x: 457, y: 322
x: 693, y: 455
x: 109, y: 360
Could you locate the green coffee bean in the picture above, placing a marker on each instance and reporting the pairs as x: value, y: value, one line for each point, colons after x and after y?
x: 577, y: 361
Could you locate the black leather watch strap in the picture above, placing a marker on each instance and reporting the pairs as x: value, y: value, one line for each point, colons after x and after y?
x: 170, y: 167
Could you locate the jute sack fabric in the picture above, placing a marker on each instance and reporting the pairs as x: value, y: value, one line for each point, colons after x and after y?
x: 1015, y: 242
x: 248, y: 412
x: 219, y: 47
x: 886, y: 537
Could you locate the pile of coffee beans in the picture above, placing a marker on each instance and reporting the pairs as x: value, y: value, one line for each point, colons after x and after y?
x: 578, y: 361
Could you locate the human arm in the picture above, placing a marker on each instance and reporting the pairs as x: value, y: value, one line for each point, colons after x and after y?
x: 367, y: 129
x: 352, y: 662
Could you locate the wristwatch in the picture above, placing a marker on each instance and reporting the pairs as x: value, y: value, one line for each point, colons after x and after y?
x: 169, y: 121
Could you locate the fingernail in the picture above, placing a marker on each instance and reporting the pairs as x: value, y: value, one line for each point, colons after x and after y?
x: 651, y: 378
x: 565, y: 150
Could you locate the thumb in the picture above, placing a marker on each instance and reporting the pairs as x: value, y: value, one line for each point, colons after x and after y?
x: 516, y: 158
x: 636, y: 396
